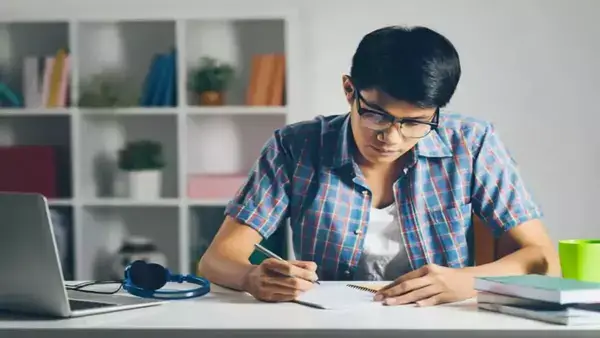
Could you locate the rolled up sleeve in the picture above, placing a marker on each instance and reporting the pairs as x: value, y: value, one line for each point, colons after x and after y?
x: 499, y: 195
x: 262, y: 201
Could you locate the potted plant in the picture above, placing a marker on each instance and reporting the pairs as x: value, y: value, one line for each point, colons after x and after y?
x: 108, y: 89
x: 210, y: 81
x: 143, y: 161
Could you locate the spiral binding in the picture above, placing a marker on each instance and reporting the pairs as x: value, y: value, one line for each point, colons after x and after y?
x: 362, y: 288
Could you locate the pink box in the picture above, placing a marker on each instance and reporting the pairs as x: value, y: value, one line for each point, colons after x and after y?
x: 214, y: 186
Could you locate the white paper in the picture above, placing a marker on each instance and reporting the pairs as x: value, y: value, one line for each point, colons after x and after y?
x: 337, y: 296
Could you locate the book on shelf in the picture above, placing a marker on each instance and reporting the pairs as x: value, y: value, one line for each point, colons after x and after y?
x: 267, y: 80
x: 46, y: 80
x: 550, y: 299
x: 160, y: 86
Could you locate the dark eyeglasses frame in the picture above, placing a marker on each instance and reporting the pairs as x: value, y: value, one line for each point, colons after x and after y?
x: 391, y: 119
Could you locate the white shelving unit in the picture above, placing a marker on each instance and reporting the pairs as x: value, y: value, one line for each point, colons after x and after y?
x: 180, y: 226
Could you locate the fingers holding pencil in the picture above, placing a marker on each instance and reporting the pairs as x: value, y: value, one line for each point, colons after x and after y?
x: 310, y: 266
x: 293, y: 269
x: 277, y: 280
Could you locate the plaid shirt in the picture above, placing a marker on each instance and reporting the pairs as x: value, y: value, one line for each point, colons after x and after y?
x: 306, y: 174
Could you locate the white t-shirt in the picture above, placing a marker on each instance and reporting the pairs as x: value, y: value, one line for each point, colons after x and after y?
x: 384, y: 256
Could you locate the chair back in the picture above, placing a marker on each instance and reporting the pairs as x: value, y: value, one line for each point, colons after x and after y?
x: 488, y: 248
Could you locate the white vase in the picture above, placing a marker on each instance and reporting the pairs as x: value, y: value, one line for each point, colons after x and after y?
x: 145, y: 184
x: 213, y: 38
x: 221, y: 132
x: 108, y: 41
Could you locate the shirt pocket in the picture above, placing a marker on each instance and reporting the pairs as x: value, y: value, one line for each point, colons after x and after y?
x: 449, y: 229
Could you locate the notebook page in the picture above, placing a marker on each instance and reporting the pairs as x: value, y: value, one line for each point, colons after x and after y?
x: 338, y: 296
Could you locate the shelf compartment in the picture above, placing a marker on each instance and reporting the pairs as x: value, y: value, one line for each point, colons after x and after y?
x: 242, y: 136
x: 32, y: 147
x: 123, y: 54
x: 205, y: 222
x: 30, y: 51
x: 102, y: 136
x: 104, y: 230
x: 62, y: 225
x: 239, y: 43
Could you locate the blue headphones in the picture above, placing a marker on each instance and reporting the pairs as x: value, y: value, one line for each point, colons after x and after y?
x: 145, y: 279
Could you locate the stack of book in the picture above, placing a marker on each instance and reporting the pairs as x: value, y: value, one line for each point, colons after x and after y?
x: 46, y: 80
x: 550, y: 299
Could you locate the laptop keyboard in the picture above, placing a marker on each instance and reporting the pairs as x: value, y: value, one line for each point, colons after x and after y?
x: 86, y: 305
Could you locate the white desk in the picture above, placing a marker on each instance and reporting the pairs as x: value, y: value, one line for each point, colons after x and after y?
x: 224, y: 313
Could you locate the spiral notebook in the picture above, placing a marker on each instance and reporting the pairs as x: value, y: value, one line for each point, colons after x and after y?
x: 340, y: 296
x: 368, y: 287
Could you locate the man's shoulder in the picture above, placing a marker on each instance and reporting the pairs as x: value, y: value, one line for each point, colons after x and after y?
x: 463, y: 130
x: 310, y: 132
x: 318, y: 125
x: 461, y: 123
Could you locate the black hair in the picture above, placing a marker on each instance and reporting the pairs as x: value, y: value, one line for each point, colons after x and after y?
x: 416, y: 65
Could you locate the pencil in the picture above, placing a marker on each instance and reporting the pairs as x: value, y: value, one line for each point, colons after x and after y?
x: 271, y: 254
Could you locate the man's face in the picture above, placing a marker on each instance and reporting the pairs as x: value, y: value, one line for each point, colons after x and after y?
x: 377, y: 138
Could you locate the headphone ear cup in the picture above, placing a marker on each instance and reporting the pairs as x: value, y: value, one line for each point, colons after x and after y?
x: 147, y: 276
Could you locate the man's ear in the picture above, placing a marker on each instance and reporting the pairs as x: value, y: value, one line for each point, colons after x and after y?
x: 348, y: 89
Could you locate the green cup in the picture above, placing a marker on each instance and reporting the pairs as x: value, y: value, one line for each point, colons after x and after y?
x: 580, y: 259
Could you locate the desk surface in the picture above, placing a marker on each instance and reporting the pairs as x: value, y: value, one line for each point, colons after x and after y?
x: 234, y: 313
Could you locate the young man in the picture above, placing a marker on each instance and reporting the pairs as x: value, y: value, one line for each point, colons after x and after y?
x: 385, y: 192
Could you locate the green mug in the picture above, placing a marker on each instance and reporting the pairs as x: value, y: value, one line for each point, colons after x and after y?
x: 580, y: 259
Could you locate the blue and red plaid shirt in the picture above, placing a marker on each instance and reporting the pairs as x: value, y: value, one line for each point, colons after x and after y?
x: 306, y: 174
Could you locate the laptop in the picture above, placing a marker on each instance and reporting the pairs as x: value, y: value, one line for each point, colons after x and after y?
x: 32, y: 279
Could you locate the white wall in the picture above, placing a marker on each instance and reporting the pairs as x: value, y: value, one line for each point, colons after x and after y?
x: 530, y: 66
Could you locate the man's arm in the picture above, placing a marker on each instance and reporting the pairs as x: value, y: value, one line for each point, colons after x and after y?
x: 226, y: 262
x: 255, y: 213
x: 534, y: 253
x: 501, y: 199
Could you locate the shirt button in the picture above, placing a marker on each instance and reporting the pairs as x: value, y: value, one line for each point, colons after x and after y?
x: 365, y: 192
x: 357, y: 231
x: 347, y: 272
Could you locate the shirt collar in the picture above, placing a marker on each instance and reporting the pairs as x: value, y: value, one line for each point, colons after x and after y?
x: 344, y: 146
x: 434, y: 145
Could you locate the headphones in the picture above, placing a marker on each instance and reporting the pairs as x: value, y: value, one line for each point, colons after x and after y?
x: 145, y: 279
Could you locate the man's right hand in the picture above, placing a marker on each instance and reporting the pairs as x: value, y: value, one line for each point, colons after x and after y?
x: 269, y: 281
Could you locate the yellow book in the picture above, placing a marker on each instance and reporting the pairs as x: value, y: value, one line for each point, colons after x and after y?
x: 56, y: 79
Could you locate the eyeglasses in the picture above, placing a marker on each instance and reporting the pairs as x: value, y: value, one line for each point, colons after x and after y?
x: 380, y: 121
x: 88, y: 287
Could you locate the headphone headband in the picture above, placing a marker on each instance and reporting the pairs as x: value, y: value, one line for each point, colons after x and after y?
x: 145, y: 279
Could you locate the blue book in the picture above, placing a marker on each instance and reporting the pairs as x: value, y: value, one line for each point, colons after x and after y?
x: 150, y: 82
x: 160, y: 81
x: 170, y: 81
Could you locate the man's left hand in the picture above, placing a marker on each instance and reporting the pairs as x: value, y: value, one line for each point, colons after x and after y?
x: 430, y: 285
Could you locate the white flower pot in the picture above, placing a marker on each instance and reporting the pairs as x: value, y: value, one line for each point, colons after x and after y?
x: 145, y: 184
x: 224, y: 130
